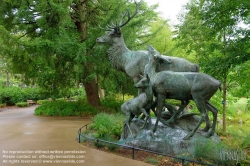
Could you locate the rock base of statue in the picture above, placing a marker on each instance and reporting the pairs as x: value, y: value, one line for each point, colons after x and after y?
x: 167, y: 140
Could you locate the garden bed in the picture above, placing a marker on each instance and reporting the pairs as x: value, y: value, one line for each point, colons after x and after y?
x: 138, y: 155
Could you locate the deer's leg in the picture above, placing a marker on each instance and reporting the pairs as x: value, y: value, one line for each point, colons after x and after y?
x: 147, y: 117
x: 153, y: 106
x: 127, y: 122
x: 160, y: 105
x: 177, y: 113
x: 202, y: 108
x: 172, y: 109
x: 214, y: 111
x: 208, y: 124
x: 150, y: 120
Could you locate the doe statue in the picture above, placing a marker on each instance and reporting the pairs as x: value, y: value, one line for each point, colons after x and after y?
x: 183, y: 86
x: 133, y: 62
x: 140, y: 104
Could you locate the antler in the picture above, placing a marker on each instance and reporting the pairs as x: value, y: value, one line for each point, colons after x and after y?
x: 127, y: 13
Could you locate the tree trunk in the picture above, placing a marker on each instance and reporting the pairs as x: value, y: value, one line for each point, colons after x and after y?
x: 91, y: 86
x: 7, y: 79
x: 224, y: 102
x: 91, y: 89
x: 102, y: 93
x: 22, y: 81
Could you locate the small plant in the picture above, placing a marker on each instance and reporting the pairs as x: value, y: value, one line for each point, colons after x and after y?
x: 111, y: 147
x: 22, y: 104
x: 151, y: 160
x: 3, y: 105
x: 99, y: 144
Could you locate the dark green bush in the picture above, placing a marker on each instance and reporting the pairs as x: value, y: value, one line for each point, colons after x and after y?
x: 32, y: 94
x: 11, y: 95
x: 114, y: 105
x: 65, y: 108
x: 22, y: 104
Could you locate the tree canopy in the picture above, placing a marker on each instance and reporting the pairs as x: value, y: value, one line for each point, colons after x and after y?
x: 53, y: 43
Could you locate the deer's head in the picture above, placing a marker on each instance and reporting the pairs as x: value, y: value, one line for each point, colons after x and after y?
x: 113, y: 32
x: 143, y: 83
x: 156, y: 57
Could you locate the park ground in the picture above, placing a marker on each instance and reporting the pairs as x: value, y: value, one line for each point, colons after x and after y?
x: 24, y: 136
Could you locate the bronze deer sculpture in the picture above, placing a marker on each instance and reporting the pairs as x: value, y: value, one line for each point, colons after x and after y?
x: 133, y: 62
x: 183, y: 86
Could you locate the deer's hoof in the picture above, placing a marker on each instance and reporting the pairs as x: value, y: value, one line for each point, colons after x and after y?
x: 209, y: 134
x: 205, y: 129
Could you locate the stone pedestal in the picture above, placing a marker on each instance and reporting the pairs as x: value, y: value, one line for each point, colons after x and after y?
x: 167, y: 140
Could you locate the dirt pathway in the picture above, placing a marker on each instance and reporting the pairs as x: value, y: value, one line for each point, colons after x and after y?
x: 28, y: 140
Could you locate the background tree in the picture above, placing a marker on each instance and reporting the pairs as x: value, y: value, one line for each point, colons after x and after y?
x: 54, y: 41
x: 210, y: 29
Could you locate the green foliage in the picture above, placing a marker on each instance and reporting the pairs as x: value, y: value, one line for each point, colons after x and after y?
x: 151, y: 160
x: 108, y: 138
x: 174, y: 102
x: 209, y: 151
x: 32, y: 94
x: 112, y: 104
x: 40, y: 102
x: 246, y: 143
x: 3, y: 105
x: 99, y: 144
x: 65, y: 108
x: 11, y: 95
x: 213, y: 31
x: 22, y: 104
x: 53, y: 48
x: 106, y: 124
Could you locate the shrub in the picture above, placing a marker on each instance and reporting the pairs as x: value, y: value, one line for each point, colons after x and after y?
x: 114, y: 105
x: 105, y: 124
x: 11, y: 95
x: 32, y: 94
x: 3, y: 105
x: 40, y: 102
x: 22, y: 104
x: 65, y: 108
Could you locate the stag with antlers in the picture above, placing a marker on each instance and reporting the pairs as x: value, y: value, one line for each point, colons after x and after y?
x: 134, y: 62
